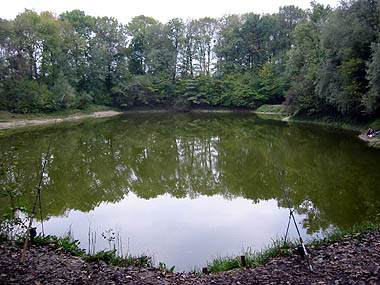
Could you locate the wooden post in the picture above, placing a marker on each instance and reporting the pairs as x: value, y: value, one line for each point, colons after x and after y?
x: 205, y: 270
x: 243, y: 261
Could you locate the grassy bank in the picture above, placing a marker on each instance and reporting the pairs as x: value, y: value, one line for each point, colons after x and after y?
x: 279, y: 248
x: 324, y: 120
x: 278, y: 112
x: 271, y: 109
x: 338, y: 122
x: 72, y: 247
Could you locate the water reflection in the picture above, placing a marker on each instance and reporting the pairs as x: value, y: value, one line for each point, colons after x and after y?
x: 183, y: 232
x: 172, y: 158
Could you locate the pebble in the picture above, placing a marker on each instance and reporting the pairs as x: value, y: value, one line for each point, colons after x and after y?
x: 348, y: 261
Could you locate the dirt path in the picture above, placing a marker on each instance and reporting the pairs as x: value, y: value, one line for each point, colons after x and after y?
x: 354, y: 259
x: 17, y: 123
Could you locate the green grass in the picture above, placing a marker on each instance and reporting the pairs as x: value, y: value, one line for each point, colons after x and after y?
x: 277, y: 109
x: 278, y: 248
x: 338, y: 234
x: 71, y: 246
x: 253, y: 258
x: 110, y: 257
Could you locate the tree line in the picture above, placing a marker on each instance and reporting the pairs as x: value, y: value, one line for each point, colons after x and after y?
x: 317, y: 61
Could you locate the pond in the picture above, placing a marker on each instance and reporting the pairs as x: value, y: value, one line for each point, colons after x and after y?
x: 185, y: 188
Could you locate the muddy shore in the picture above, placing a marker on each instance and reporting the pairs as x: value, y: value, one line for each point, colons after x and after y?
x: 354, y: 259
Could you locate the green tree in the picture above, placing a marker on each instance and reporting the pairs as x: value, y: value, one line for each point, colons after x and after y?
x: 346, y: 40
x: 304, y: 62
x: 371, y: 100
x: 288, y: 18
x: 78, y: 28
x: 107, y: 58
x: 204, y: 34
x: 175, y: 31
x: 138, y: 30
x: 26, y: 46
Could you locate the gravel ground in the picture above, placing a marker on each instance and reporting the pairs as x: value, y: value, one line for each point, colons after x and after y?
x: 355, y: 259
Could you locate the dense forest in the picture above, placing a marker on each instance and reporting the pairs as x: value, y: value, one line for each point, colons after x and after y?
x: 316, y: 61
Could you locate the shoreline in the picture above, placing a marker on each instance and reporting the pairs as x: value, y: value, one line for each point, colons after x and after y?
x: 20, y: 123
x: 370, y: 141
x: 349, y: 258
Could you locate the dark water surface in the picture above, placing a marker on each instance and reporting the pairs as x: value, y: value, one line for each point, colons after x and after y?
x: 189, y: 187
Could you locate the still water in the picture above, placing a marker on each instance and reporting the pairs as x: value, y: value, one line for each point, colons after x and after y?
x: 185, y: 188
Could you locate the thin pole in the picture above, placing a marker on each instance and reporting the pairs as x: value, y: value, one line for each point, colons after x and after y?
x: 42, y: 221
x: 38, y: 198
x: 287, y: 228
x: 291, y: 212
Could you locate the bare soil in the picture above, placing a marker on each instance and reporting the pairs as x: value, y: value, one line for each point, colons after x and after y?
x: 17, y: 123
x: 354, y: 259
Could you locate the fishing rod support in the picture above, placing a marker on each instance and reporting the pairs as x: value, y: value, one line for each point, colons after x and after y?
x: 291, y: 215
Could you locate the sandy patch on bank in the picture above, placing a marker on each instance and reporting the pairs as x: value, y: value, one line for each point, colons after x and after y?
x: 374, y: 141
x: 17, y: 123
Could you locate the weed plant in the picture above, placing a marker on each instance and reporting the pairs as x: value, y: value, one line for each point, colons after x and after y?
x: 108, y: 256
x: 253, y: 258
x: 280, y: 248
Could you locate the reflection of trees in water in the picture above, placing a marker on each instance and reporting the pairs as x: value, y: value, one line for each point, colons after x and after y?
x: 192, y: 155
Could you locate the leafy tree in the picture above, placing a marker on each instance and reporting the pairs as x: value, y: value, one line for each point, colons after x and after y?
x: 107, y: 58
x: 187, y: 54
x: 159, y: 52
x: 26, y: 46
x: 78, y: 28
x: 138, y: 29
x: 304, y: 62
x: 346, y: 39
x: 371, y: 100
x: 63, y: 95
x: 175, y: 31
x: 323, y: 60
x: 288, y: 18
x: 204, y: 35
x: 229, y: 45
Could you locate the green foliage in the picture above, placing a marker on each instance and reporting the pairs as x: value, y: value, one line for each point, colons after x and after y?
x: 371, y: 100
x: 320, y: 60
x: 44, y: 240
x: 346, y: 40
x: 304, y: 62
x: 12, y: 224
x: 24, y: 97
x: 240, y: 90
x: 69, y: 245
x: 280, y: 248
x: 253, y: 258
x: 271, y: 109
x: 140, y: 91
x: 106, y: 256
x: 63, y: 95
x: 162, y: 266
x: 110, y: 257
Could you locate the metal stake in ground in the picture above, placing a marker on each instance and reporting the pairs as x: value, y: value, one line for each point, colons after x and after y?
x: 291, y: 212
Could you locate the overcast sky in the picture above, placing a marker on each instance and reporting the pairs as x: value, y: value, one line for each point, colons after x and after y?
x: 161, y: 10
